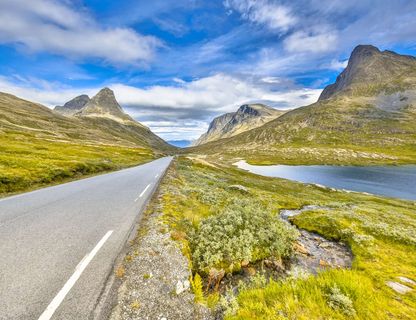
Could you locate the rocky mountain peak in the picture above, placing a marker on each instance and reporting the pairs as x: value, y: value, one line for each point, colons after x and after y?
x: 74, y: 105
x: 104, y: 103
x: 368, y: 66
x: 248, y: 116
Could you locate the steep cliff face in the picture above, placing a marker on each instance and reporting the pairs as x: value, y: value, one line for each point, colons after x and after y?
x: 73, y: 106
x: 247, y: 117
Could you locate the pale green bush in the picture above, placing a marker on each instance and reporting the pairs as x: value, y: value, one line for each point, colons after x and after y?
x: 337, y: 300
x: 244, y: 231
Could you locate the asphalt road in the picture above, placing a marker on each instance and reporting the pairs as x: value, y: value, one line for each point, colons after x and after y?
x: 58, y: 244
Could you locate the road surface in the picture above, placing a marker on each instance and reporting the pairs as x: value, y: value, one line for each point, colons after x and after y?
x: 58, y: 244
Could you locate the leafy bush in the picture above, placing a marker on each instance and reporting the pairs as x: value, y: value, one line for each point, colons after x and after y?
x: 337, y: 300
x: 244, y: 231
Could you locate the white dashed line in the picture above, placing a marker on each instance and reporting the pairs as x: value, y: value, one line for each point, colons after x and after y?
x: 50, y: 310
x: 143, y: 192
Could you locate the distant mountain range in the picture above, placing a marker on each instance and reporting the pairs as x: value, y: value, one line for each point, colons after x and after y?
x: 99, y: 120
x: 367, y: 115
x: 247, y: 117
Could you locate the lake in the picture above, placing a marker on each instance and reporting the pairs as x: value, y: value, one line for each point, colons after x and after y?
x: 390, y: 181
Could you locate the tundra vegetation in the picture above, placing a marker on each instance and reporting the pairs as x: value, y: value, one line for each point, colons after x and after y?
x: 224, y: 227
x: 27, y: 162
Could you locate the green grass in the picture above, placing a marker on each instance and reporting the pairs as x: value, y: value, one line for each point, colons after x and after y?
x: 27, y: 162
x: 380, y: 231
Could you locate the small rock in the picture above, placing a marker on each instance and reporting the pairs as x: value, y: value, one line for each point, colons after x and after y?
x: 179, y: 287
x: 324, y: 245
x: 250, y: 271
x: 323, y: 263
x: 186, y: 285
x: 299, y: 247
x: 238, y: 187
x: 245, y: 263
x: 407, y: 280
x: 398, y: 287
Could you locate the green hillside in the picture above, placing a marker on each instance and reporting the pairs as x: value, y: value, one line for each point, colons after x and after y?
x: 367, y: 116
x: 39, y: 147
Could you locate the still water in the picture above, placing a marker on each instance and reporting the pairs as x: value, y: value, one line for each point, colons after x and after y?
x: 390, y: 181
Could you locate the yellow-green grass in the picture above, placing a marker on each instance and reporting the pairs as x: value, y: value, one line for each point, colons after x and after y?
x: 381, y: 233
x: 28, y: 162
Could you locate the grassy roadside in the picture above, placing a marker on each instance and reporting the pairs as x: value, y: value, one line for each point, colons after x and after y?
x: 381, y: 233
x: 26, y: 164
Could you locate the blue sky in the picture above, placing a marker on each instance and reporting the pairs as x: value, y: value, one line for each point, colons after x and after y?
x: 175, y: 64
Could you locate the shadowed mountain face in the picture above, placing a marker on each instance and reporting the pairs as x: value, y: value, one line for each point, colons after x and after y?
x: 368, y: 114
x: 73, y: 106
x: 247, y: 117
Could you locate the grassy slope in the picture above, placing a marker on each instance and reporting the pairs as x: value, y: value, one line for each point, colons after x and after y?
x: 342, y: 130
x: 380, y: 231
x: 39, y: 147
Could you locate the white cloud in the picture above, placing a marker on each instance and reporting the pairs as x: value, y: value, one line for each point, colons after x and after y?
x: 55, y: 27
x: 314, y: 41
x: 273, y: 15
x: 338, y: 65
x: 175, y: 112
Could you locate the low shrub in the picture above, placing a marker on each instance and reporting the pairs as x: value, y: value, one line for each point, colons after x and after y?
x: 244, y: 231
x: 339, y: 301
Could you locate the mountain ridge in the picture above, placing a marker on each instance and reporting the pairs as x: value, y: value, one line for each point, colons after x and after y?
x: 247, y: 117
x: 358, y: 122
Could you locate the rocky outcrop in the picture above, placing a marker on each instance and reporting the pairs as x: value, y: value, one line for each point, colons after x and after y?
x: 73, y: 106
x: 368, y: 65
x: 247, y: 117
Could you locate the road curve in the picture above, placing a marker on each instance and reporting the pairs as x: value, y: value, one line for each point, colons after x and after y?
x: 58, y: 244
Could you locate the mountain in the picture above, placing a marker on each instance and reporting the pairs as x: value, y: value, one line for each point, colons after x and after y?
x: 367, y: 116
x: 39, y: 146
x: 25, y: 117
x: 247, y: 117
x: 104, y: 104
x: 73, y: 106
x: 370, y: 69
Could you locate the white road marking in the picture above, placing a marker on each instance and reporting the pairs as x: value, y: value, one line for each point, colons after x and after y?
x: 141, y: 194
x: 144, y: 191
x: 50, y: 310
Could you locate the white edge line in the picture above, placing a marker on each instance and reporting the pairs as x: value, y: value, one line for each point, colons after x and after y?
x: 50, y: 310
x: 144, y: 191
x: 156, y: 176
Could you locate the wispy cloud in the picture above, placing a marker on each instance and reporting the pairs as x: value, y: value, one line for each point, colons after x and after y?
x: 56, y: 27
x: 263, y: 12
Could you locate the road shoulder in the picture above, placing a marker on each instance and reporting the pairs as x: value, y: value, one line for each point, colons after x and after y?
x: 154, y: 274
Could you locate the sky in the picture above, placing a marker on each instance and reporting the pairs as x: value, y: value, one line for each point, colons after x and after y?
x: 174, y: 65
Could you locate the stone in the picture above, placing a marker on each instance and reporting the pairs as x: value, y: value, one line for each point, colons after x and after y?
x: 238, y: 187
x: 324, y: 263
x: 407, y: 280
x: 398, y: 287
x: 180, y: 287
x: 250, y: 271
x: 299, y: 247
x: 245, y: 263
